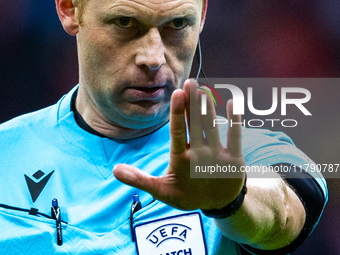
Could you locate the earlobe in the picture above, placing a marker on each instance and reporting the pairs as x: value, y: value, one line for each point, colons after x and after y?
x: 67, y: 15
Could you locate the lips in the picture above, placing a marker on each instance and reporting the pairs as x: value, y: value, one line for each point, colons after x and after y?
x: 153, y: 93
x: 148, y: 90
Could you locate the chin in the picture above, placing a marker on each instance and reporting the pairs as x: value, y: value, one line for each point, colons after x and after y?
x: 143, y: 121
x: 140, y: 125
x: 141, y: 115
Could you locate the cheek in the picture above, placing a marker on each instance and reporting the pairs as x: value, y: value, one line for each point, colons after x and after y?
x: 97, y: 56
x: 184, y: 55
x: 102, y: 65
x: 97, y: 48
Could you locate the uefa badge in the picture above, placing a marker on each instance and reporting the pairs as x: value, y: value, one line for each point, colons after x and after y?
x: 181, y: 234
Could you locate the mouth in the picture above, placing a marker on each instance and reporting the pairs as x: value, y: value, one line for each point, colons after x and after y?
x: 152, y: 93
x: 147, y: 89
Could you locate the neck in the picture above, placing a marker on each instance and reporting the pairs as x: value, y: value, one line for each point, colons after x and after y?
x: 106, y: 128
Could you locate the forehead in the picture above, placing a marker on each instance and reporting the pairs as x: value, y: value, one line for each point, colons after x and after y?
x: 154, y: 9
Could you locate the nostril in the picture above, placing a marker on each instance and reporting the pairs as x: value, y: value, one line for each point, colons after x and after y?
x: 151, y: 63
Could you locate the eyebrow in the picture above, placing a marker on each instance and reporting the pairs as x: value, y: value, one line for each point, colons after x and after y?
x: 189, y: 11
x: 107, y: 16
x: 120, y: 12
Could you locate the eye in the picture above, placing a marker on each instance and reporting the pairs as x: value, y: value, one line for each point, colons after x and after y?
x: 125, y: 22
x: 178, y: 23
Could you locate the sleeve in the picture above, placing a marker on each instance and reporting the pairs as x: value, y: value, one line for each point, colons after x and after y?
x: 313, y: 199
x: 263, y: 147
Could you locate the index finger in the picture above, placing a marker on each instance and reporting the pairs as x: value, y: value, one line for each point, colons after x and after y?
x: 177, y: 122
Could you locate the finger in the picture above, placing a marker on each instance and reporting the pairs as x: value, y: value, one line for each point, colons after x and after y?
x: 186, y: 88
x: 234, y: 144
x: 193, y: 113
x: 135, y: 177
x: 211, y: 132
x: 177, y: 122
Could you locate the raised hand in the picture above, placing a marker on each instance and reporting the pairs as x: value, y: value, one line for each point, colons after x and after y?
x: 176, y: 188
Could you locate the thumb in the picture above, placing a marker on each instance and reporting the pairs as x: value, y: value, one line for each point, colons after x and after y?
x: 135, y: 177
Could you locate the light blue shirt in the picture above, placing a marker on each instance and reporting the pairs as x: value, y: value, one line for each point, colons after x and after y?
x: 48, y: 146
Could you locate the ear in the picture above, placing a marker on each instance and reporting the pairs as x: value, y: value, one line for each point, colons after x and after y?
x: 67, y: 15
x: 204, y: 13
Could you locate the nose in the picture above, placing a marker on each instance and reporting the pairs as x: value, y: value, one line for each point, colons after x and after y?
x: 151, y: 51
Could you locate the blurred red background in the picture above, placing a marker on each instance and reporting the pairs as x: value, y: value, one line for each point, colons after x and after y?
x: 287, y: 38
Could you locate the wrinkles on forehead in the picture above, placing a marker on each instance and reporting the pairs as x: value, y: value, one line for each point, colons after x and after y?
x: 160, y: 7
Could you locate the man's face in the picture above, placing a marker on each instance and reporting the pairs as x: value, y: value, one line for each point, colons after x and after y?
x: 133, y: 54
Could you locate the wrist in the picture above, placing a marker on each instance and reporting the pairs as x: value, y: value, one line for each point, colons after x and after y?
x: 231, y: 208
